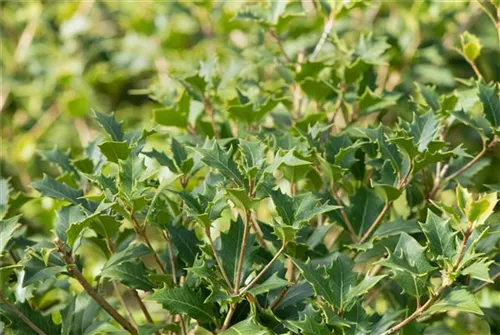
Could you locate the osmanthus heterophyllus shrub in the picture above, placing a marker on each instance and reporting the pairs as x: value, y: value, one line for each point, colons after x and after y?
x: 294, y: 205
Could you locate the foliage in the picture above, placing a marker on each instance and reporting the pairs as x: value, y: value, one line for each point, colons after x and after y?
x: 328, y: 168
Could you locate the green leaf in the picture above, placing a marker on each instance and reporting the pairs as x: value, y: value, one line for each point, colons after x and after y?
x: 457, y: 300
x: 59, y: 158
x: 186, y: 242
x: 177, y: 115
x: 424, y: 129
x: 7, y: 228
x: 440, y: 236
x: 363, y: 287
x: 364, y: 209
x: 131, y: 274
x: 183, y: 300
x: 112, y: 127
x: 299, y: 209
x: 408, y: 256
x: 396, y: 227
x: 162, y: 159
x: 128, y: 254
x: 310, y: 323
x: 272, y: 283
x: 430, y: 96
x: 248, y: 326
x: 216, y: 158
x: 44, y: 323
x: 341, y: 280
x: 317, y: 277
x: 471, y: 46
x: 479, y: 270
x: 4, y: 196
x: 230, y: 249
x: 491, y: 104
x: 115, y: 151
x: 49, y: 187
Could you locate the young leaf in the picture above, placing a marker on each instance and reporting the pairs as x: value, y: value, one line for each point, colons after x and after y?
x: 115, y: 151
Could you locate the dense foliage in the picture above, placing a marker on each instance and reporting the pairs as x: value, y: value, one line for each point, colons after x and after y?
x: 312, y: 167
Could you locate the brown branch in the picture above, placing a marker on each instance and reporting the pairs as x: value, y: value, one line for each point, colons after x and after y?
x: 261, y: 273
x: 227, y: 320
x: 122, y: 302
x: 275, y: 35
x: 217, y: 258
x: 171, y: 254
x: 209, y: 109
x: 143, y: 307
x: 75, y: 273
x: 20, y: 315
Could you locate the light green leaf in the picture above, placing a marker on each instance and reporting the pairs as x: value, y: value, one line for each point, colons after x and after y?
x: 216, y: 158
x: 248, y: 326
x: 112, y: 127
x: 115, y: 151
x: 7, y: 228
x: 128, y: 254
x: 479, y: 270
x: 458, y: 300
x: 272, y: 283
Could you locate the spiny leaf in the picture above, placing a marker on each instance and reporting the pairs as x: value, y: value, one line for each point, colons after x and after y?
x: 456, y: 299
x: 112, y: 127
x: 424, y: 129
x: 132, y: 274
x: 272, y: 283
x: 491, y: 102
x: 115, y: 151
x: 183, y: 300
x: 216, y: 158
x: 440, y: 236
x: 7, y: 228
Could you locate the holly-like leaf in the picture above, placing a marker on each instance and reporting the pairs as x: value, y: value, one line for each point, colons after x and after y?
x: 408, y: 256
x: 162, y: 159
x: 218, y: 159
x: 272, y: 283
x: 365, y: 208
x: 248, y: 326
x: 49, y: 187
x: 115, y: 151
x: 440, y: 236
x: 491, y: 103
x: 231, y: 243
x: 59, y: 158
x: 480, y: 270
x: 133, y: 251
x: 132, y: 274
x: 424, y: 129
x: 456, y: 299
x: 310, y: 323
x: 112, y: 127
x: 183, y: 300
x: 7, y: 228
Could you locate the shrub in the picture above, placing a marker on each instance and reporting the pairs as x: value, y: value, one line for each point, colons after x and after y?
x: 311, y: 198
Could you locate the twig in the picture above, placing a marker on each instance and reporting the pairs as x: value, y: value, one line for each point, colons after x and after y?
x: 227, y: 320
x: 241, y: 259
x: 143, y: 307
x: 261, y: 273
x: 347, y: 222
x: 122, y: 302
x: 324, y: 35
x: 280, y: 45
x: 171, y: 254
x: 217, y: 258
x: 483, y: 285
x: 20, y: 315
x: 75, y: 273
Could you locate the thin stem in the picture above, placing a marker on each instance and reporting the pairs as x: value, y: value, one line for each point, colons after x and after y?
x: 376, y: 222
x: 261, y: 273
x: 460, y: 254
x: 227, y: 320
x: 142, y: 306
x: 171, y: 254
x: 141, y: 231
x: 275, y: 35
x: 241, y: 259
x: 122, y: 302
x: 75, y: 273
x: 217, y: 258
x: 464, y: 168
x: 483, y: 285
x: 471, y: 63
x: 324, y: 35
x: 20, y: 315
x: 347, y: 222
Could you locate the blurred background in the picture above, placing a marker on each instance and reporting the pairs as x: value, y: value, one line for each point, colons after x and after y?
x: 60, y: 60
